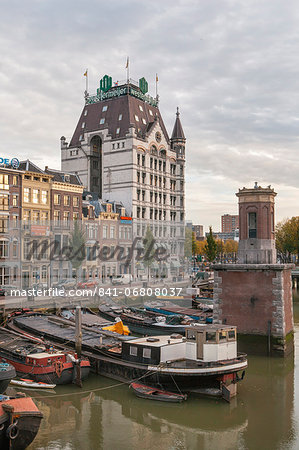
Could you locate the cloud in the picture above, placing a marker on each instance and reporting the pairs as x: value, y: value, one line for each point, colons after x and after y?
x: 231, y: 66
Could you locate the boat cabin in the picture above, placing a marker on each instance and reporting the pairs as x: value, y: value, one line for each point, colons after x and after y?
x: 203, y: 342
x: 45, y: 359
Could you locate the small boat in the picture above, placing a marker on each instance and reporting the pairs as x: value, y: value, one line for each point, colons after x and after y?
x: 7, y: 372
x: 152, y: 393
x: 39, y: 362
x: 26, y: 383
x: 19, y: 422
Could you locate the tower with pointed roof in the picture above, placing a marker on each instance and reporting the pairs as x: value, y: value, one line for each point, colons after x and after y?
x: 122, y: 152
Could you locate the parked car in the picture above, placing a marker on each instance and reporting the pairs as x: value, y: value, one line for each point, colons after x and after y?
x: 125, y: 278
x: 87, y: 284
x: 65, y: 284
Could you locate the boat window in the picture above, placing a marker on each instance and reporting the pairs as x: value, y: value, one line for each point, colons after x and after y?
x: 222, y: 336
x: 133, y: 351
x: 232, y: 335
x: 211, y: 336
x: 147, y: 353
x: 191, y: 335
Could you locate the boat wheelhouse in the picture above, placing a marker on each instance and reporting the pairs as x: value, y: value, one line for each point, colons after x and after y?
x: 205, y: 361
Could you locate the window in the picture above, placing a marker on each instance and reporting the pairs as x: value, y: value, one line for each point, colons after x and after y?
x: 4, y: 182
x: 123, y: 145
x: 35, y: 196
x: 102, y: 121
x: 147, y: 353
x: 138, y: 194
x: 14, y: 221
x: 117, y: 130
x: 138, y: 177
x: 105, y: 231
x: 76, y: 201
x: 67, y: 200
x: 143, y: 160
x: 26, y: 195
x: 56, y: 199
x: 150, y: 111
x: 75, y: 216
x: 232, y: 335
x: 66, y: 216
x: 222, y: 336
x: 143, y: 213
x: 15, y: 180
x: 143, y: 196
x: 136, y: 118
x: 4, y: 206
x: 83, y: 124
x: 112, y: 232
x: 138, y: 159
x: 56, y: 217
x: 15, y: 249
x: 252, y: 225
x: 35, y: 216
x: 44, y: 217
x: 133, y: 351
x: 211, y: 336
x: 3, y: 224
x: 85, y: 112
x: 138, y: 212
x: 151, y: 163
x: 80, y: 139
x: 140, y: 107
x: 144, y: 121
x: 3, y: 249
x: 120, y: 117
x: 44, y: 197
x: 104, y: 108
x: 4, y: 275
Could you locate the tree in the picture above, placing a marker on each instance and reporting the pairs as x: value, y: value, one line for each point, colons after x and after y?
x: 149, y: 250
x: 287, y: 238
x: 77, y: 246
x: 210, y: 247
x: 188, y: 242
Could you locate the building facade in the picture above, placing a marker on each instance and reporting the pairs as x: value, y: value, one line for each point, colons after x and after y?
x: 122, y: 152
x: 229, y: 223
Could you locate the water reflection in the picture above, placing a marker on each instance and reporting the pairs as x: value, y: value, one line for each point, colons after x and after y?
x: 261, y: 417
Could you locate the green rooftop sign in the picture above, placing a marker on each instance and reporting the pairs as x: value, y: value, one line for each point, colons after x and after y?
x: 119, y: 91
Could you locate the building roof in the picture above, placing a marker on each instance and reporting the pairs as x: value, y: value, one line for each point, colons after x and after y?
x: 30, y: 167
x: 129, y: 107
x: 178, y: 132
x: 63, y: 177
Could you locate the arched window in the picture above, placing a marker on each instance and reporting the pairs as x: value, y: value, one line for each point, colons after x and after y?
x: 154, y: 150
x: 163, y: 153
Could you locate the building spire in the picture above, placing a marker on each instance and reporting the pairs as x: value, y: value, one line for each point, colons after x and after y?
x: 178, y: 132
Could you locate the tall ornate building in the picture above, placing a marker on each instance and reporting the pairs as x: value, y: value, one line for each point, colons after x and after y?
x: 122, y: 152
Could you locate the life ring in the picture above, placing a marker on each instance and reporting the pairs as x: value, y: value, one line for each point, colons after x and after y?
x: 12, y: 431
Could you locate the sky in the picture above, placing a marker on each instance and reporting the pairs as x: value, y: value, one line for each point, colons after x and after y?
x: 231, y: 66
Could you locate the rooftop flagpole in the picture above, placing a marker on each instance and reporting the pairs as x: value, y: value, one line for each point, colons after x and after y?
x: 86, y: 86
x: 157, y: 79
x: 128, y: 69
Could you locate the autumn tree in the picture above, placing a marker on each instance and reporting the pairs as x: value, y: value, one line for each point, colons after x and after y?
x: 287, y: 238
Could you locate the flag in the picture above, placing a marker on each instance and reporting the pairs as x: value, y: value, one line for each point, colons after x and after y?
x: 157, y: 79
x: 127, y: 65
x: 115, y: 83
x: 85, y: 74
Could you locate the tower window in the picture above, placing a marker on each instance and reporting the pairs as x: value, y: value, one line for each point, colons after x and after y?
x: 144, y: 121
x: 102, y: 121
x: 252, y: 225
x: 120, y: 117
x: 151, y: 112
x: 104, y: 108
x: 83, y: 124
x: 140, y: 107
x: 117, y: 130
x: 85, y: 112
x: 136, y: 118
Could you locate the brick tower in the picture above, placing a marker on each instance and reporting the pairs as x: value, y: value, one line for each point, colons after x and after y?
x: 256, y: 293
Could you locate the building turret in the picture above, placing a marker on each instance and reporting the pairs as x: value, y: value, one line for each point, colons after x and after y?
x: 178, y: 139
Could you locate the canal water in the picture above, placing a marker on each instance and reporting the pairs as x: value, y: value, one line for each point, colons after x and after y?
x: 265, y: 414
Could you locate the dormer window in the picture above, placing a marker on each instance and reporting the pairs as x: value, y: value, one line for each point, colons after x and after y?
x: 117, y: 130
x: 120, y: 117
x: 151, y: 112
x: 102, y: 121
x: 85, y: 112
x: 136, y: 118
x: 140, y: 107
x: 81, y: 137
x: 144, y: 121
x: 104, y: 108
x: 83, y: 124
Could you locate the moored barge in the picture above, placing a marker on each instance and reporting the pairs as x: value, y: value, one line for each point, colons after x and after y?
x: 39, y: 362
x: 205, y: 360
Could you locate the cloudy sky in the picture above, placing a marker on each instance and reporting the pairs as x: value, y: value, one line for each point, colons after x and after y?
x: 231, y: 66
